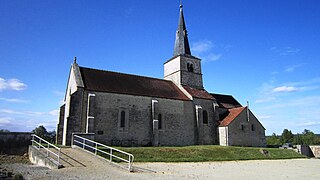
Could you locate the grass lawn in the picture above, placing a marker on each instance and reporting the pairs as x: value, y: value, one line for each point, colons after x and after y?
x: 207, y: 153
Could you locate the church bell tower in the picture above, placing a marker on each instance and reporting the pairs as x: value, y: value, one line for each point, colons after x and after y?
x: 183, y: 69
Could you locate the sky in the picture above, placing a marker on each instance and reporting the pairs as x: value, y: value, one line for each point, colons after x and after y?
x: 266, y: 52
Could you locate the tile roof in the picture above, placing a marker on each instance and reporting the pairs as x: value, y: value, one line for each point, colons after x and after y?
x: 112, y: 82
x: 226, y: 101
x: 198, y: 93
x: 233, y: 113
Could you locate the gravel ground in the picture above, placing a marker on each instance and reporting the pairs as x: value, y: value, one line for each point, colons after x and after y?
x: 91, y: 167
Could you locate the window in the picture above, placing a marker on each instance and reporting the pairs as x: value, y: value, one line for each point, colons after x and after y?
x: 205, y: 117
x: 100, y: 132
x: 190, y: 67
x: 252, y: 127
x: 159, y: 121
x: 122, y: 119
x: 242, y: 127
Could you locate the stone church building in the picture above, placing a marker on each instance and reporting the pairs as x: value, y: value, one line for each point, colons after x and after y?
x: 129, y: 110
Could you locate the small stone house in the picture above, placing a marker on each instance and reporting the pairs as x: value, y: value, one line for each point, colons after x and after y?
x: 129, y: 110
x: 241, y: 128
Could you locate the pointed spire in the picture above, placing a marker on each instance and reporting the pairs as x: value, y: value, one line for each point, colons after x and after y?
x: 181, y: 46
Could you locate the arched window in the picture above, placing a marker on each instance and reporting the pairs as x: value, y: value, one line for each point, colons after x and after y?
x: 159, y: 121
x: 205, y: 117
x: 190, y: 67
x: 122, y: 119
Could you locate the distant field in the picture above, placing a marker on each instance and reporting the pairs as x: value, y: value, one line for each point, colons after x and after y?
x: 207, y: 153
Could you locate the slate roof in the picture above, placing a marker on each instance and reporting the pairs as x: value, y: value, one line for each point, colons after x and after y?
x: 226, y: 101
x: 181, y: 45
x: 233, y: 113
x: 198, y: 93
x: 112, y: 82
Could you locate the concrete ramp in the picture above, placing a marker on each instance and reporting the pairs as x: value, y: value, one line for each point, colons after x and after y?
x: 74, y: 157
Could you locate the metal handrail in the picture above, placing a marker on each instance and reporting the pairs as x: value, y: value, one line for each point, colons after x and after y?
x: 39, y: 144
x: 82, y: 144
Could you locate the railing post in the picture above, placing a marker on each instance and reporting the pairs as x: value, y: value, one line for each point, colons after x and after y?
x: 59, y: 156
x: 110, y: 155
x: 129, y: 163
x: 48, y: 149
x: 72, y: 137
x: 32, y: 139
x: 83, y: 142
x: 39, y: 143
x: 96, y: 149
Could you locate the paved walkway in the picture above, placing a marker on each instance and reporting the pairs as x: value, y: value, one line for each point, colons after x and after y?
x: 81, y: 165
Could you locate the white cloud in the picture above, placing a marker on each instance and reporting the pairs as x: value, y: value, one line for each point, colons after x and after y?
x: 12, y: 84
x: 284, y: 89
x: 213, y: 57
x: 284, y: 51
x: 25, y: 113
x: 292, y: 68
x: 265, y: 117
x: 202, y: 46
x: 30, y: 113
x: 308, y: 101
x: 313, y: 81
x: 5, y: 120
x: 54, y: 112
x: 203, y: 49
x: 13, y: 100
x: 309, y: 123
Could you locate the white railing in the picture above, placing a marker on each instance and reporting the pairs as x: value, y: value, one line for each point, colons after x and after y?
x: 102, y: 150
x: 48, y: 148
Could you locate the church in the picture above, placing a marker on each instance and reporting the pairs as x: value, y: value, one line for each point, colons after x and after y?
x: 129, y: 110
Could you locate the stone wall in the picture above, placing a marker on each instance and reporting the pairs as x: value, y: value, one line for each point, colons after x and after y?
x: 305, y: 150
x: 14, y: 142
x: 73, y: 122
x: 248, y: 136
x: 60, y: 125
x: 176, y: 71
x: 73, y: 99
x: 207, y: 133
x: 177, y: 120
x: 315, y: 150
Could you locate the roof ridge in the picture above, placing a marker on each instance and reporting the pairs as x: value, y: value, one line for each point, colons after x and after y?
x: 221, y: 94
x: 141, y: 76
x: 232, y: 116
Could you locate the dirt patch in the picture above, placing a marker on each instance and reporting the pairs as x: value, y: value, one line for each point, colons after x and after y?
x: 10, y: 159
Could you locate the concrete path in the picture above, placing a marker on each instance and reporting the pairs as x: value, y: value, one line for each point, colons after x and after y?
x: 82, y: 165
x: 71, y: 157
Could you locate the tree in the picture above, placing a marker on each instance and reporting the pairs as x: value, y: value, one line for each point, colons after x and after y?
x: 297, y: 139
x: 286, y: 137
x: 273, y: 140
x: 44, y: 134
x: 4, y: 130
x: 308, y: 137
